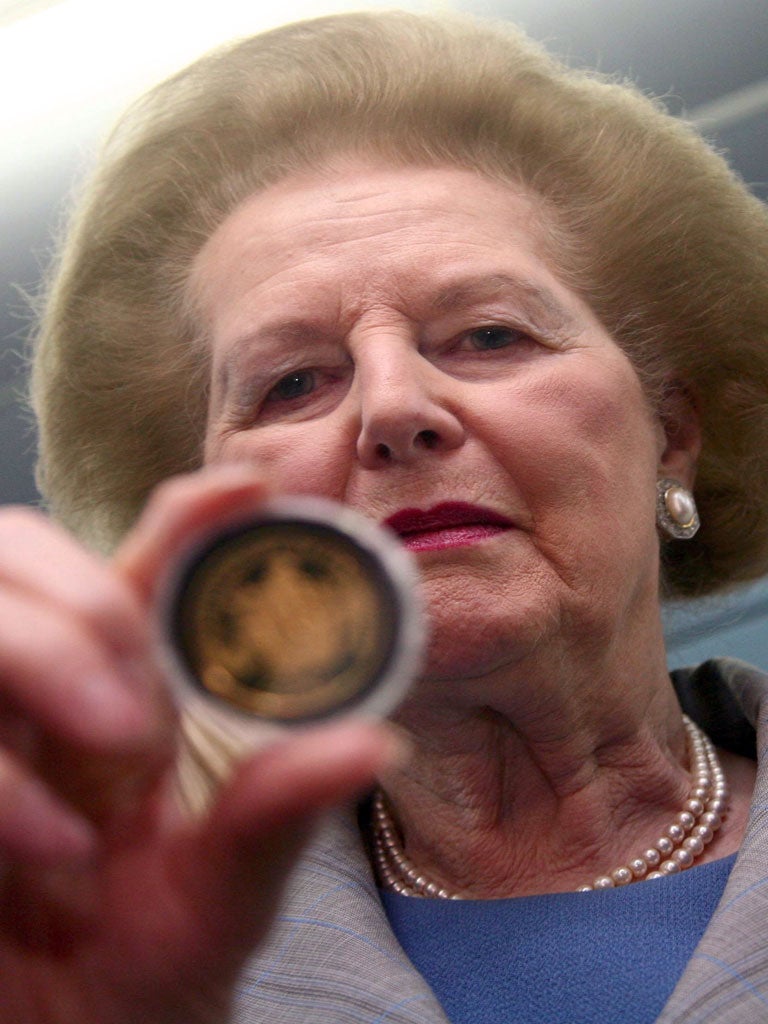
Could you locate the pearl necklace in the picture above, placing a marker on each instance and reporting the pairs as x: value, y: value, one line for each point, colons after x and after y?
x: 676, y: 849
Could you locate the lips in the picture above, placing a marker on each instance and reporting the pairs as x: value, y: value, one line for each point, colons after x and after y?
x: 451, y: 524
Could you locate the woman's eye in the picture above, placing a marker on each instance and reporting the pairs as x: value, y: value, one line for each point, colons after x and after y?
x: 293, y: 385
x: 489, y: 338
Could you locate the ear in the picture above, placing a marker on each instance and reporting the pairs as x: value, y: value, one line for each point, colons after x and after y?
x: 679, y: 429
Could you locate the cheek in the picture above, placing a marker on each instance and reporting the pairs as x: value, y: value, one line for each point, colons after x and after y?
x: 291, y: 461
x: 579, y: 432
x: 613, y: 420
x: 582, y: 454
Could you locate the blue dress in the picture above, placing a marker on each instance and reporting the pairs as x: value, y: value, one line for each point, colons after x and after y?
x: 605, y: 957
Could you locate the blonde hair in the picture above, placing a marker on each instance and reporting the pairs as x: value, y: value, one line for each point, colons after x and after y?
x: 648, y: 224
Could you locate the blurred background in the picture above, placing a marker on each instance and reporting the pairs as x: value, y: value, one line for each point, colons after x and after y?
x: 67, y: 68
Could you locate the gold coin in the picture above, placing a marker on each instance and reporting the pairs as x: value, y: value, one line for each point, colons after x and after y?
x: 285, y: 619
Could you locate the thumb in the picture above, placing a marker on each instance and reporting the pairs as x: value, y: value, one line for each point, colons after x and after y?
x: 179, y: 510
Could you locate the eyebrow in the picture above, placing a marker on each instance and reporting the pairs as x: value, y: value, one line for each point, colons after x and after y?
x: 535, y: 300
x: 537, y: 304
x: 284, y: 333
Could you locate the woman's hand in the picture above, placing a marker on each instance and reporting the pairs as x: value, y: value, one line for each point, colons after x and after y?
x: 114, y: 906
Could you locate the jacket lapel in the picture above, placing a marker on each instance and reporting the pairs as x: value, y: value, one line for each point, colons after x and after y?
x: 726, y: 980
x: 332, y: 957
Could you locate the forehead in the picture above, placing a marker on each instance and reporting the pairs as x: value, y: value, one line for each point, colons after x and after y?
x: 350, y: 190
x: 394, y: 218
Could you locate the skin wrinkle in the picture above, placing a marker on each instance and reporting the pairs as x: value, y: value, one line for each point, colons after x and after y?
x: 534, y: 209
x: 504, y: 805
x: 242, y: 405
x: 541, y: 314
x: 547, y: 642
x: 536, y: 301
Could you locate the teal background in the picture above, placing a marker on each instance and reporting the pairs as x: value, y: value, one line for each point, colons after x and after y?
x: 733, y: 626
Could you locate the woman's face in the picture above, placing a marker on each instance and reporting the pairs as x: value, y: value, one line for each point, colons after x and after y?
x: 394, y: 339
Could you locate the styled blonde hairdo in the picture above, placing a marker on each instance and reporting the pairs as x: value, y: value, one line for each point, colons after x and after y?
x: 644, y: 221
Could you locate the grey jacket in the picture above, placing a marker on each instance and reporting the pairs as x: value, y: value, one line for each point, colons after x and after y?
x: 333, y: 959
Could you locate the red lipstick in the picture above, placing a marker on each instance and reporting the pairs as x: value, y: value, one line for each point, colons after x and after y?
x: 450, y: 524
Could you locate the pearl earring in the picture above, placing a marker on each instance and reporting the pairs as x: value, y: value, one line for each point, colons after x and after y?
x: 676, y: 514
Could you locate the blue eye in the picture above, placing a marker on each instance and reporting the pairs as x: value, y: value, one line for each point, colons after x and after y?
x: 293, y: 385
x: 489, y: 338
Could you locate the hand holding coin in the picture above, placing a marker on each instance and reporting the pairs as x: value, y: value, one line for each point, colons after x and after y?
x: 102, y: 863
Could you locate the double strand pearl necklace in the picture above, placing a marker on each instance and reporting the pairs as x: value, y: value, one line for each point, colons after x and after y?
x: 676, y: 849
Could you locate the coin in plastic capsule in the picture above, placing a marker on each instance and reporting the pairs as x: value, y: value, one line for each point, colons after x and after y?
x: 306, y: 611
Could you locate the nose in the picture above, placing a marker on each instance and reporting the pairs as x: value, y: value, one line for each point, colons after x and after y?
x: 405, y: 408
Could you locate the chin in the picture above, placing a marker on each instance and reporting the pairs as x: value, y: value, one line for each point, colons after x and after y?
x: 478, y: 624
x: 471, y: 650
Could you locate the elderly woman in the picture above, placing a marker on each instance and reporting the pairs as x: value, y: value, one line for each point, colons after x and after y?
x: 518, y: 315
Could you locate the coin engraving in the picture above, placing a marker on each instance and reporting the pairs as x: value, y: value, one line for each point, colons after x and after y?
x: 285, y: 620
